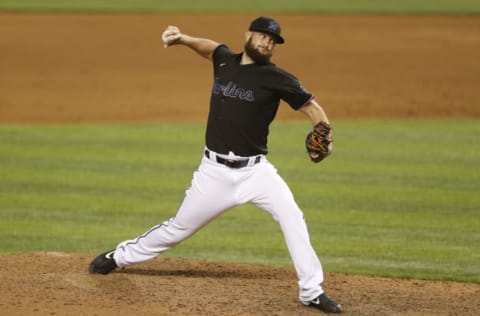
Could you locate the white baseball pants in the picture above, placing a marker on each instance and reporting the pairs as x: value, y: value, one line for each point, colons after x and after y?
x: 216, y: 188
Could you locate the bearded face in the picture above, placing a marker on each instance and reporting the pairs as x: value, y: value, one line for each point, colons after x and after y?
x: 258, y: 52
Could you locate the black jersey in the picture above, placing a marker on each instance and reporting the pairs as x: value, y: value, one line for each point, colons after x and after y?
x: 245, y: 100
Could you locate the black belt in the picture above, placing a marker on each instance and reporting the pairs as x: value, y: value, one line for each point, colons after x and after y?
x: 235, y: 164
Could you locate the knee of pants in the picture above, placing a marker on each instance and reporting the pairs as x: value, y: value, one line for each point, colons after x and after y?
x: 285, y: 210
x: 175, y: 234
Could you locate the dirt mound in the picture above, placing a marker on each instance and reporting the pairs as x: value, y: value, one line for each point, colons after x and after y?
x: 58, y: 284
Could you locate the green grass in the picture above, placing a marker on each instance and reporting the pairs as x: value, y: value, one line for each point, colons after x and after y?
x: 397, y: 198
x: 342, y: 6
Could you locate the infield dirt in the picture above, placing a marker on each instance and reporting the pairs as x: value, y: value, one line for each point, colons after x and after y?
x: 81, y: 68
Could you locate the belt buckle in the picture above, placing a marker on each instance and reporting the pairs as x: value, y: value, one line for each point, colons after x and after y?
x: 230, y: 163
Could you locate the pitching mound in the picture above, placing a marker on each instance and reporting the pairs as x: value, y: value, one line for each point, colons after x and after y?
x: 58, y: 284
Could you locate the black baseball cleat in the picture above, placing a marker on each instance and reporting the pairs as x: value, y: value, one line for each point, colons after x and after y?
x: 103, y: 264
x: 325, y: 304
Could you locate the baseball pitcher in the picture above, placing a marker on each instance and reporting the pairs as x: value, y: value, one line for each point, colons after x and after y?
x: 234, y: 169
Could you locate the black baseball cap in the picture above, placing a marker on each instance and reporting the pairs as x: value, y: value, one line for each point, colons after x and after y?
x: 267, y: 25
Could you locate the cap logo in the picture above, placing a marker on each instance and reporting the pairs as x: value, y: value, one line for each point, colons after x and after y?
x: 273, y: 26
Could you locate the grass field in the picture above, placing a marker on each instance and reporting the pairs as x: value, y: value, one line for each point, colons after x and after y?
x: 397, y: 198
x: 343, y: 6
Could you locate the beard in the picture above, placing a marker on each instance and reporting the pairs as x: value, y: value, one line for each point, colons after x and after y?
x: 255, y: 55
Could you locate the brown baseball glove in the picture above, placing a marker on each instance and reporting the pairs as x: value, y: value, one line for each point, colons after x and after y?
x: 318, y: 142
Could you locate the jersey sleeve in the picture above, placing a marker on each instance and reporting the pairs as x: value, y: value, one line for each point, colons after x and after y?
x: 220, y: 55
x: 291, y: 90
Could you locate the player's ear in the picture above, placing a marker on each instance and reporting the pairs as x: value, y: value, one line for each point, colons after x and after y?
x: 248, y: 34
